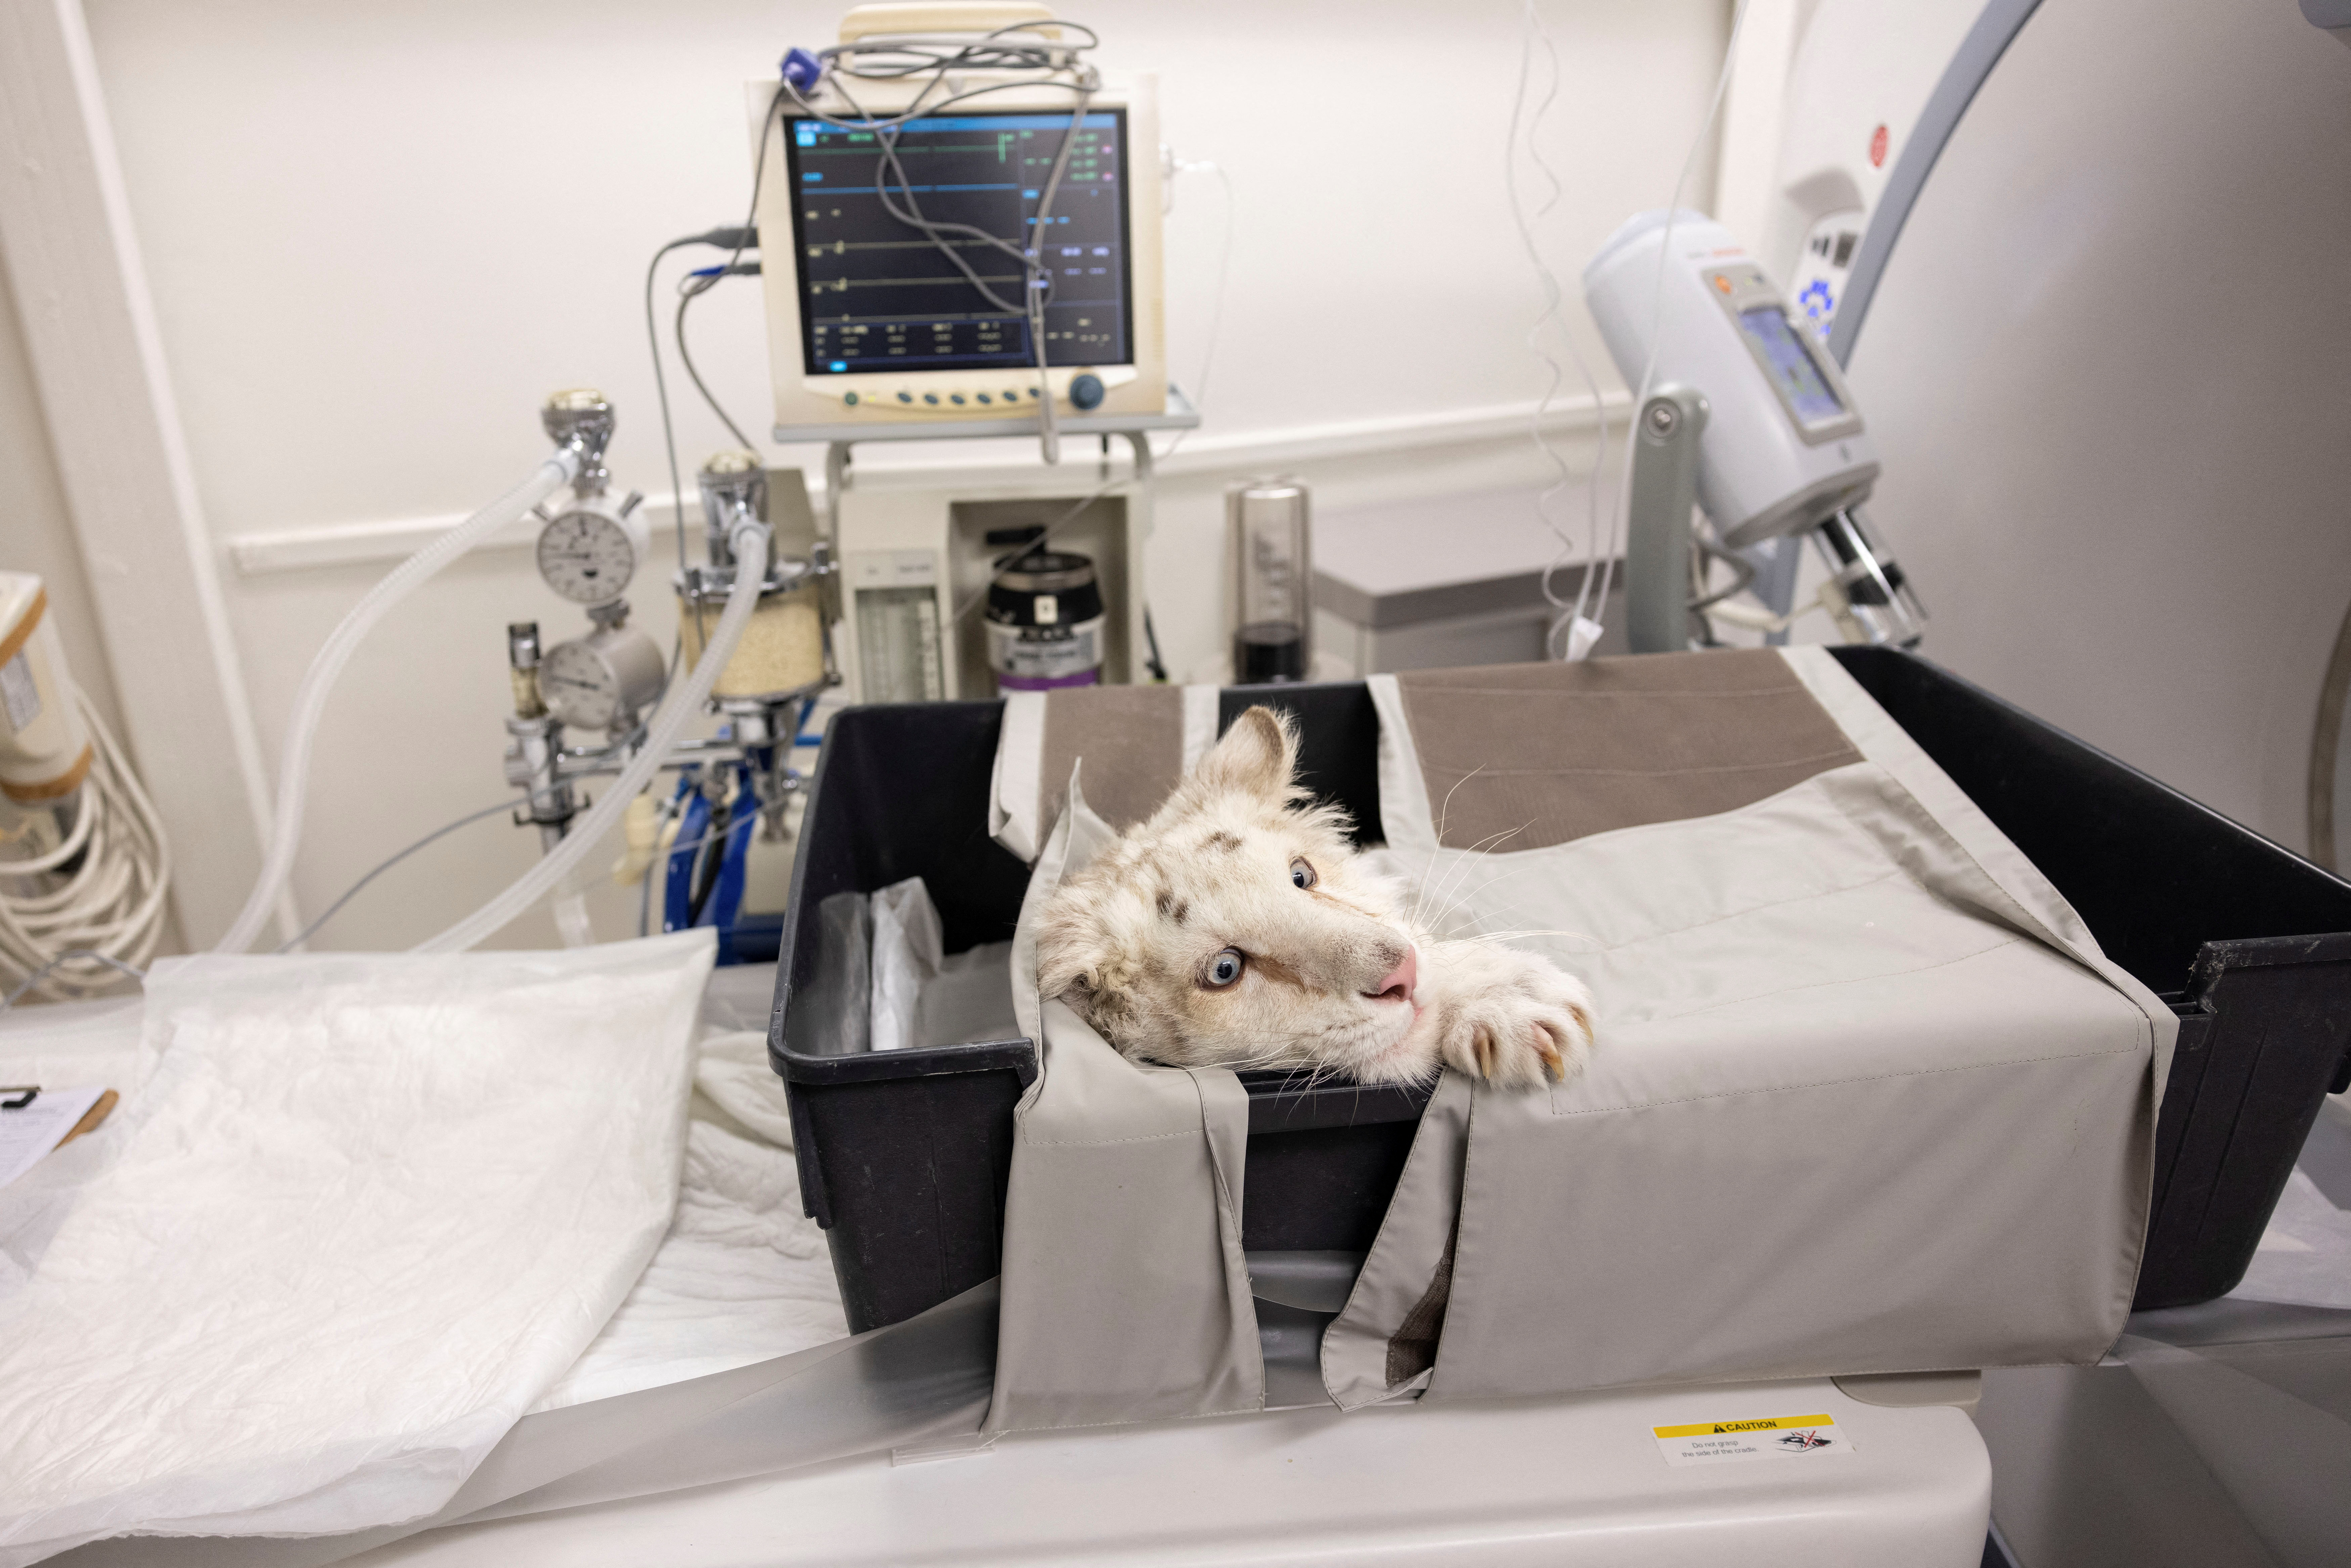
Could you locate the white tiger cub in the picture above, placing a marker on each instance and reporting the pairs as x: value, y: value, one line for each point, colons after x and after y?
x: 1238, y: 928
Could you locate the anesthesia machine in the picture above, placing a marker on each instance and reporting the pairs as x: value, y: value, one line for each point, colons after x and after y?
x: 972, y: 212
x: 607, y: 678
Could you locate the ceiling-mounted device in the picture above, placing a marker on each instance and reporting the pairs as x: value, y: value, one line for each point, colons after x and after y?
x: 1748, y: 416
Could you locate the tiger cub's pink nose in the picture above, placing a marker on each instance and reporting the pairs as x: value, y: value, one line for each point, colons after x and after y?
x: 1398, y: 986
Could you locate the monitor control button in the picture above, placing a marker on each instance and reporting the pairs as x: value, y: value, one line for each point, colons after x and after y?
x: 849, y: 398
x: 1086, y: 392
x: 931, y: 398
x: 956, y: 398
x: 906, y: 397
x: 984, y: 398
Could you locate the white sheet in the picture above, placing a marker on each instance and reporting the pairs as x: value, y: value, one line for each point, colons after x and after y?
x: 364, y: 1212
x: 741, y: 1277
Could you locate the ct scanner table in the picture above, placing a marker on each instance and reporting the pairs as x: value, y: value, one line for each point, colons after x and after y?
x: 1580, y: 1480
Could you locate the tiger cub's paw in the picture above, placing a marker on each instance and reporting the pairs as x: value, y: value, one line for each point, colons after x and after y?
x: 1522, y: 1024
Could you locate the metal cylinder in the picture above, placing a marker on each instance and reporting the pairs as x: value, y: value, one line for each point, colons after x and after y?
x: 1879, y: 606
x: 1271, y: 550
x: 522, y: 667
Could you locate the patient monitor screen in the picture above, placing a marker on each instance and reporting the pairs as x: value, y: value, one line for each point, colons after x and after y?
x: 1793, y: 373
x: 879, y: 295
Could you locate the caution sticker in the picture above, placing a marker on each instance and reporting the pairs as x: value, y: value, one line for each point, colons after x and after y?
x: 1763, y: 1438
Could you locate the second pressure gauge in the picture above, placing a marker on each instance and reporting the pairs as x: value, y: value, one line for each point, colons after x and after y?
x: 603, y: 679
x: 588, y: 552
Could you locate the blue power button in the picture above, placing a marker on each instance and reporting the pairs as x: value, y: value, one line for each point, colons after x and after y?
x: 1085, y: 392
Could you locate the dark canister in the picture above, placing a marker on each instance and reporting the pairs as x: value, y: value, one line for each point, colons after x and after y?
x: 1045, y: 622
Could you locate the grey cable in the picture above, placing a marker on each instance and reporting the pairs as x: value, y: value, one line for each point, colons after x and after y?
x: 985, y: 53
x: 653, y: 331
x: 888, y: 165
x: 644, y: 899
x: 660, y: 394
x: 687, y: 295
x: 734, y: 259
x: 1742, y: 574
x: 1047, y: 415
x: 37, y: 976
x: 436, y: 835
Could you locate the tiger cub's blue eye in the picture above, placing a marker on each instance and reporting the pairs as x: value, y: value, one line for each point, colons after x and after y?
x: 1225, y: 969
x: 1302, y: 875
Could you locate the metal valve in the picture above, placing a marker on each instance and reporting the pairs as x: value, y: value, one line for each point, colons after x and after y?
x: 581, y: 419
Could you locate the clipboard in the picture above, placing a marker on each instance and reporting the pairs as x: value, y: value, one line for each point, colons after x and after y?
x: 35, y: 1121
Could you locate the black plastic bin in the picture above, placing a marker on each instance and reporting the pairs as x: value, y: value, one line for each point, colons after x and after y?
x: 904, y: 1155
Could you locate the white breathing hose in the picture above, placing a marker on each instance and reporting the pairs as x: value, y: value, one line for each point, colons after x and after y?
x: 310, y: 700
x: 684, y: 702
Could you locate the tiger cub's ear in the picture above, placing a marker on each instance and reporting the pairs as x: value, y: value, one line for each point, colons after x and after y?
x: 1255, y: 757
x: 1070, y: 950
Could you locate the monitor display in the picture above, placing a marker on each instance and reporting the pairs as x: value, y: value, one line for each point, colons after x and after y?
x: 878, y: 295
x: 1793, y: 372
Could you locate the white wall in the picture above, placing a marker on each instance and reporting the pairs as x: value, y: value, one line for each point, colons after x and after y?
x: 36, y: 533
x: 36, y: 530
x: 377, y: 235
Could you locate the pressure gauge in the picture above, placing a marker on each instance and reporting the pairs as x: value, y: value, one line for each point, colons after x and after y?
x: 589, y: 551
x: 603, y: 679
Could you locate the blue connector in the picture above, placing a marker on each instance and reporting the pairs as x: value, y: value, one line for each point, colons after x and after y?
x: 803, y: 68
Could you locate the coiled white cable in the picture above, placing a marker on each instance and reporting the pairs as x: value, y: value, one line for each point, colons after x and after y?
x: 319, y: 682
x: 682, y: 704
x: 108, y: 909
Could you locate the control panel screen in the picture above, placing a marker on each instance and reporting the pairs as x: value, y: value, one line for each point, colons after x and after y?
x: 878, y: 294
x: 1794, y: 373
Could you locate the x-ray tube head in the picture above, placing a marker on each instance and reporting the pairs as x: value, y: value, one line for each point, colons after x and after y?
x: 1785, y: 447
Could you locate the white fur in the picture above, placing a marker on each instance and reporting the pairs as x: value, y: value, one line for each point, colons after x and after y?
x: 1131, y: 941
